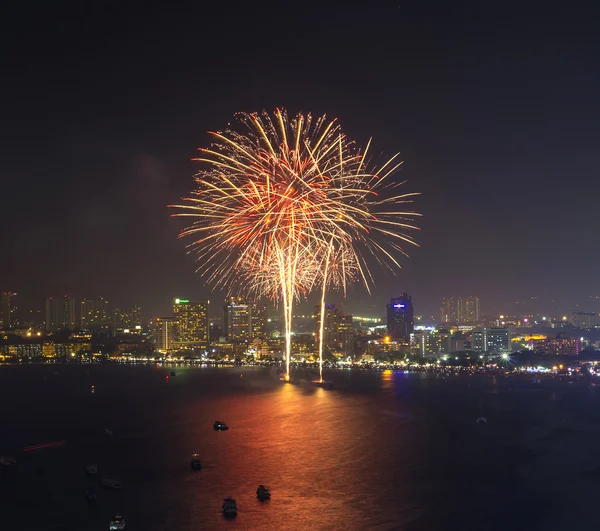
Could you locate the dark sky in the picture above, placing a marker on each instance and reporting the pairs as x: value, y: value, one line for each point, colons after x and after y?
x: 495, y: 113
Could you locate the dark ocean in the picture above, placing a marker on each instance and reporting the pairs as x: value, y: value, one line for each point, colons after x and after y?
x: 383, y: 450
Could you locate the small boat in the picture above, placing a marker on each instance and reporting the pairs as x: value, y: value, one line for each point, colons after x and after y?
x: 481, y: 420
x: 90, y: 496
x: 173, y: 373
x: 196, y: 464
x: 220, y: 426
x: 263, y: 493
x: 110, y: 483
x: 117, y: 523
x: 8, y: 461
x: 91, y: 469
x: 229, y: 507
x: 108, y: 433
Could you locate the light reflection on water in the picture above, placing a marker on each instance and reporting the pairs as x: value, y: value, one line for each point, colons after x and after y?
x: 381, y: 451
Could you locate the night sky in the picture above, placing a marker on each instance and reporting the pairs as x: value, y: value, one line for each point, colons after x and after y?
x: 495, y: 113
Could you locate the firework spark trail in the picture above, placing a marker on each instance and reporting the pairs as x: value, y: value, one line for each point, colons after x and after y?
x: 322, y: 318
x: 278, y: 200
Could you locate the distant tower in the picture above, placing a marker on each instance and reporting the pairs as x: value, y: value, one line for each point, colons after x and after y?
x: 8, y: 310
x: 61, y: 314
x: 400, y: 315
x: 164, y: 330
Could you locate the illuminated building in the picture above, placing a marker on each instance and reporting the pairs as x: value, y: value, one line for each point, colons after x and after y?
x: 346, y: 334
x: 164, y: 333
x: 493, y: 340
x: 243, y: 320
x: 558, y: 346
x: 338, y: 329
x: 470, y: 310
x: 583, y: 320
x: 48, y: 350
x: 71, y: 349
x: 237, y: 324
x: 191, y: 323
x: 127, y: 318
x: 8, y: 310
x: 329, y: 325
x: 258, y: 321
x: 24, y: 350
x: 400, y: 313
x: 61, y: 314
x: 456, y: 310
x: 95, y: 314
x: 430, y: 342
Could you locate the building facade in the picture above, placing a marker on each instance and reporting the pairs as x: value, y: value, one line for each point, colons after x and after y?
x: 243, y: 320
x: 237, y: 324
x: 61, y: 314
x: 8, y: 310
x: 338, y: 330
x: 459, y: 310
x: 491, y: 340
x: 583, y: 320
x: 164, y: 333
x: 400, y: 317
x: 127, y: 318
x: 558, y: 346
x: 95, y: 315
x: 191, y: 323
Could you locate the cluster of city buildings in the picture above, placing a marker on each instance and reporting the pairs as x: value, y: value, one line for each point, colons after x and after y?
x: 243, y: 329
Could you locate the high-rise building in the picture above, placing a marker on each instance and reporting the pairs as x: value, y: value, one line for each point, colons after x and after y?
x: 456, y: 310
x: 164, y: 330
x: 95, y: 314
x: 61, y: 314
x: 243, y: 320
x: 400, y: 317
x: 427, y: 342
x: 584, y: 319
x: 470, y: 310
x: 8, y: 310
x: 338, y: 329
x: 191, y: 323
x: 258, y: 321
x: 237, y: 324
x: 127, y: 318
x: 493, y: 340
x: 346, y: 334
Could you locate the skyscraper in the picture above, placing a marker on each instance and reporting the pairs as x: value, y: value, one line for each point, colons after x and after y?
x: 94, y: 314
x: 164, y: 331
x: 470, y: 312
x: 237, y: 324
x: 243, y: 320
x: 191, y: 323
x: 258, y: 321
x: 338, y: 329
x: 61, y: 314
x: 457, y: 310
x: 400, y: 314
x: 449, y: 310
x: 8, y: 310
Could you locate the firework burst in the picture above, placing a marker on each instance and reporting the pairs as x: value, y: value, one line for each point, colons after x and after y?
x: 285, y: 205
